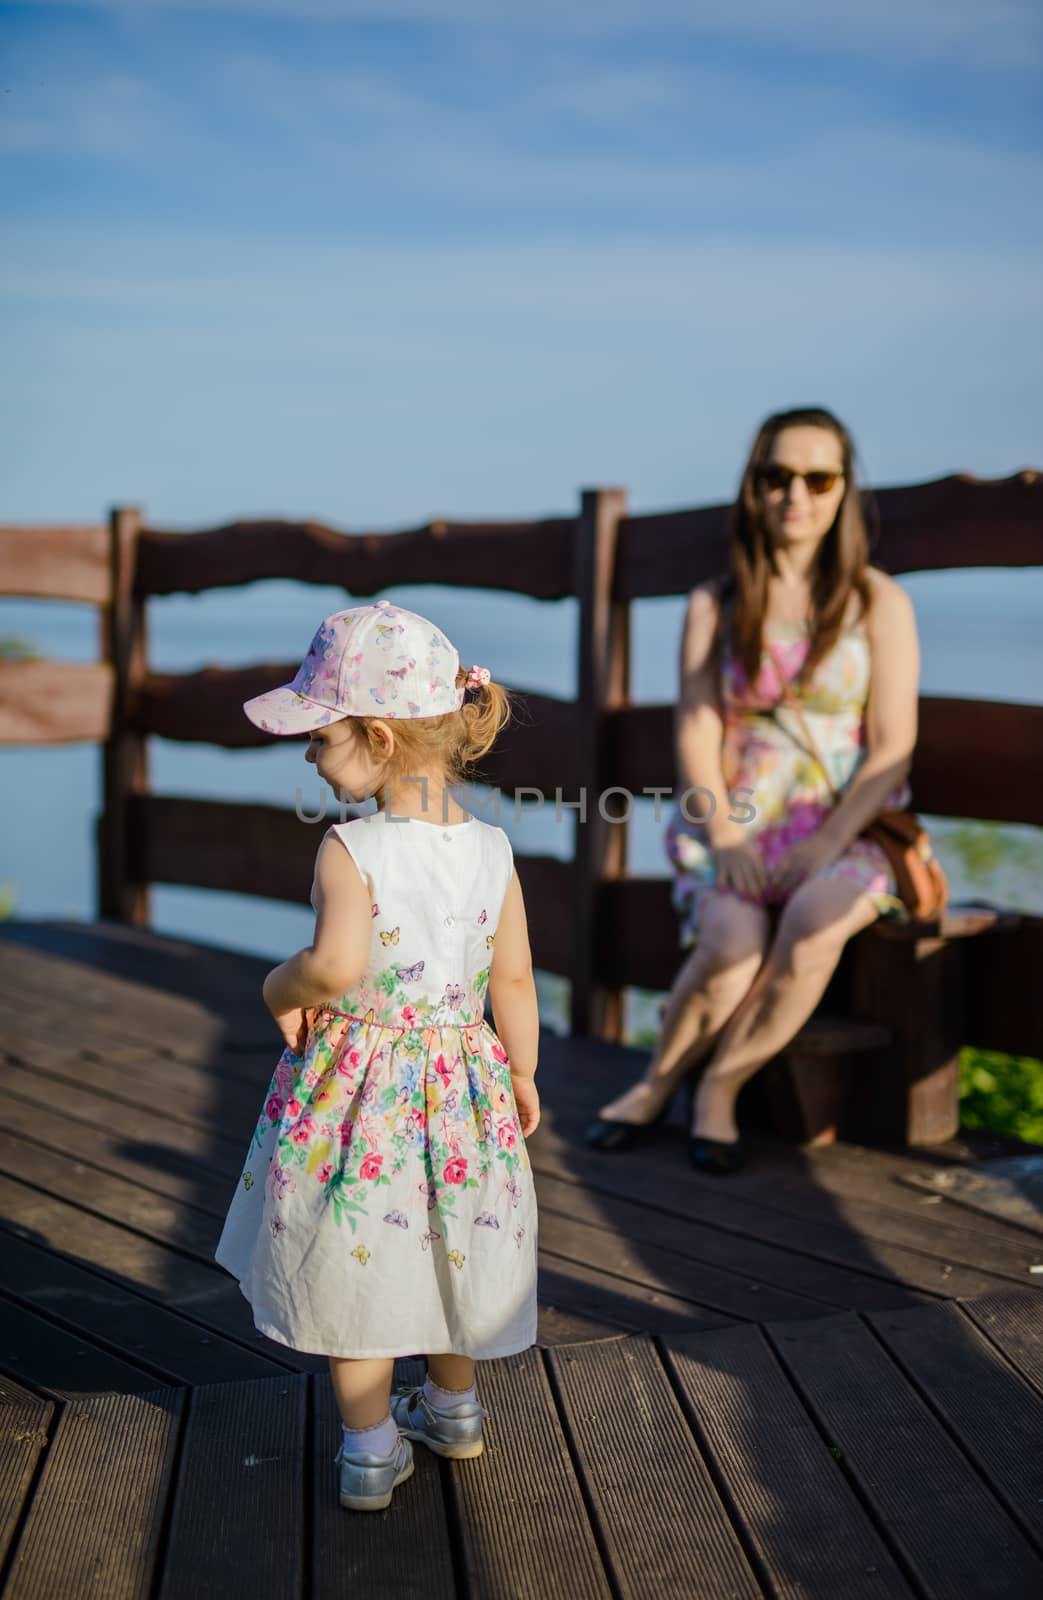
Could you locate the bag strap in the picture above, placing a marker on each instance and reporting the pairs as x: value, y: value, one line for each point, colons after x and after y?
x: 792, y: 700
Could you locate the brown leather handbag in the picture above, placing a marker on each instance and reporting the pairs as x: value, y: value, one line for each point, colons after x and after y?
x: 921, y: 882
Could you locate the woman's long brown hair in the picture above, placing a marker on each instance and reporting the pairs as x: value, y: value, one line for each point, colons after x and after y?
x: 843, y: 554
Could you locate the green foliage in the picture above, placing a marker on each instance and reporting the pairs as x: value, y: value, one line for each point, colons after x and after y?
x: 984, y: 847
x: 7, y: 901
x: 1002, y: 1093
x: 13, y: 648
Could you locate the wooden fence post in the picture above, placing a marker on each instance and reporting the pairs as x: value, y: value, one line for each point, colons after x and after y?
x: 124, y: 753
x: 604, y: 681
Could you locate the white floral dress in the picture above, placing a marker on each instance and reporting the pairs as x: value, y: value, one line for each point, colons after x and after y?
x: 764, y: 755
x: 386, y: 1205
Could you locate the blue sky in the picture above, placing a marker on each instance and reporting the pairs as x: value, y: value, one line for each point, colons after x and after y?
x: 379, y: 263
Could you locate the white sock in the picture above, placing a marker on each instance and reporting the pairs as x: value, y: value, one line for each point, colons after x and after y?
x: 379, y: 1440
x: 440, y: 1399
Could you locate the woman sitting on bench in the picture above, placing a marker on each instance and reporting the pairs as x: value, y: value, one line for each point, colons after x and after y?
x: 771, y: 879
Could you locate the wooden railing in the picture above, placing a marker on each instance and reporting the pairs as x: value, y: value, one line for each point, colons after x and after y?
x: 589, y: 920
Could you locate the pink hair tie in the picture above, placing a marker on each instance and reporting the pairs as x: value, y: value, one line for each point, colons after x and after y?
x: 477, y: 677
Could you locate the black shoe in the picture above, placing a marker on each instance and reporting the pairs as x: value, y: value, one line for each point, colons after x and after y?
x: 606, y: 1135
x: 715, y: 1156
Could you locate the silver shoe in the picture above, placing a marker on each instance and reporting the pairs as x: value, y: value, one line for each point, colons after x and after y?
x: 366, y: 1481
x: 456, y: 1433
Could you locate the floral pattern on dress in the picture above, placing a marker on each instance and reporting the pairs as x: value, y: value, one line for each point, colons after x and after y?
x: 763, y: 754
x: 427, y: 1111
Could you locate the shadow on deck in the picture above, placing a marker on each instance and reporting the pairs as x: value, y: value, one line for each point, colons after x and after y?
x: 808, y: 1379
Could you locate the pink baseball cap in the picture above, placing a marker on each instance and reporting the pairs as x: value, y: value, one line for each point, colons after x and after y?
x: 372, y: 661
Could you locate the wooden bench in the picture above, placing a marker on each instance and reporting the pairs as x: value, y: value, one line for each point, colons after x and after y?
x: 878, y: 1062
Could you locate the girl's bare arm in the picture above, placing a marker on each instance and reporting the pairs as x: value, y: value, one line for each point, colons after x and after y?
x: 337, y: 956
x: 512, y: 989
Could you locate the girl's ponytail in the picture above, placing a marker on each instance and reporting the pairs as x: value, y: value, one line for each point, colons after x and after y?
x: 485, y: 711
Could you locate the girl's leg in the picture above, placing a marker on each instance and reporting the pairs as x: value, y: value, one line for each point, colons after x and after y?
x: 455, y: 1373
x: 817, y: 920
x: 733, y: 936
x: 363, y: 1390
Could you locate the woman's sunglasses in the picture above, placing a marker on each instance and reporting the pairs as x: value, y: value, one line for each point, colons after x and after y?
x: 775, y: 476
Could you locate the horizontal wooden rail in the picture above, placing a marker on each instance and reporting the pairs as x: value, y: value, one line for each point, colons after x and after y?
x: 70, y: 562
x: 55, y: 702
x: 268, y: 851
x: 537, y: 749
x: 973, y: 758
x: 531, y: 558
x: 959, y: 521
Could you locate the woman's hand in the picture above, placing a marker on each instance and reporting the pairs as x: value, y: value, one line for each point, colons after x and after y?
x: 802, y: 861
x: 527, y: 1100
x: 739, y: 864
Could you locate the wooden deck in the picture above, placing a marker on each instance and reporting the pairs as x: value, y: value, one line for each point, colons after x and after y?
x: 809, y: 1379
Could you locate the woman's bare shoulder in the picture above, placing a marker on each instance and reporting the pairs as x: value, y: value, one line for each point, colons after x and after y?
x: 891, y: 604
x: 704, y: 598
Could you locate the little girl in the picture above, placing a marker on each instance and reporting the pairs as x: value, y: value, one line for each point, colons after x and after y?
x: 387, y: 1204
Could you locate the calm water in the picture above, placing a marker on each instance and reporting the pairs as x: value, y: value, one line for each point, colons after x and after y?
x: 979, y: 637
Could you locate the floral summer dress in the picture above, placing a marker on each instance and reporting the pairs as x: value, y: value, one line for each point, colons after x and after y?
x: 386, y: 1205
x: 764, y: 751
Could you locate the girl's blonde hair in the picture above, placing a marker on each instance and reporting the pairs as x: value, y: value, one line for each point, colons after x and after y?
x: 452, y: 742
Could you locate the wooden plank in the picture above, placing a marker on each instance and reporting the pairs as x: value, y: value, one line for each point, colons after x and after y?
x: 54, y: 702
x: 943, y: 1522
x: 25, y: 1423
x: 556, y: 1326
x: 536, y: 750
x: 155, y: 1270
x: 193, y: 1228
x: 69, y: 562
x: 396, y: 1555
x: 659, y: 1518
x: 238, y: 1503
x: 929, y: 1253
x: 168, y: 1164
x: 846, y: 1171
x: 1013, y: 1320
x: 192, y: 1097
x: 120, y: 892
x: 703, y: 1251
x: 94, y: 1525
x: 189, y: 981
x: 533, y: 558
x: 997, y: 1419
x: 951, y: 522
x: 215, y: 844
x: 549, y: 1549
x: 700, y: 1282
x: 604, y: 677
x: 166, y: 1346
x: 1003, y: 786
x: 568, y: 1285
x: 781, y: 1482
x: 159, y: 1140
x: 58, y: 1360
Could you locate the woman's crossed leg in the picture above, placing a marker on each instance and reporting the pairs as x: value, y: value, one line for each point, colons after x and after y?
x: 816, y: 922
x: 733, y: 937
